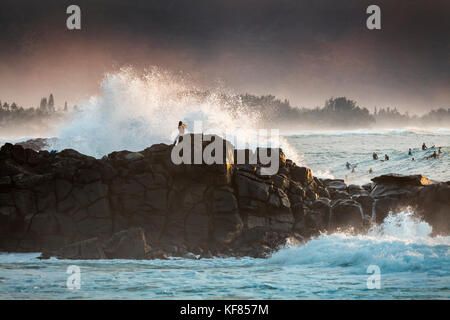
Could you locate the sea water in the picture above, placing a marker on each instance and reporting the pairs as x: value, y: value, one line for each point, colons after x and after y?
x: 412, y: 266
x: 327, y: 153
x: 135, y: 112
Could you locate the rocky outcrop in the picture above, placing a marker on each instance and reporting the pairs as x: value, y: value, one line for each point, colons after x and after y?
x: 37, y: 144
x: 140, y: 205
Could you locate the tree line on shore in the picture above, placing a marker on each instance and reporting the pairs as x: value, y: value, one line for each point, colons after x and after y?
x: 339, y: 112
x: 12, y: 113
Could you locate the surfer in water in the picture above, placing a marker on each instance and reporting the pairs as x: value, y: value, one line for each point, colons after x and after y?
x: 348, y: 165
x: 374, y: 156
x: 181, y: 130
x: 386, y: 157
x: 409, y: 152
x: 424, y: 147
x: 434, y: 155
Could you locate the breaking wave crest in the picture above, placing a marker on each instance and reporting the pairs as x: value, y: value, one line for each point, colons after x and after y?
x: 402, y: 243
x: 137, y: 110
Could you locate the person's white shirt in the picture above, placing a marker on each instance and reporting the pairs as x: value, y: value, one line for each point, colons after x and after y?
x: 181, y: 129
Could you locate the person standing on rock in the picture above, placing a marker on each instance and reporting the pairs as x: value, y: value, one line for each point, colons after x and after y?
x: 181, y: 130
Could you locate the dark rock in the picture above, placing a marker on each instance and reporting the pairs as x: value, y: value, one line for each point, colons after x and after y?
x: 90, y: 249
x: 280, y: 181
x: 224, y: 202
x: 227, y: 227
x: 8, y: 216
x: 133, y: 156
x: 249, y: 188
x: 302, y: 175
x: 339, y: 194
x: 253, y: 221
x: 345, y: 214
x: 99, y: 209
x: 95, y: 226
x: 315, y: 218
x: 335, y: 185
x: 18, y: 154
x: 25, y: 202
x: 62, y: 189
x: 79, y: 204
x: 281, y: 221
x: 157, y: 254
x: 197, y: 228
x: 368, y: 186
x: 85, y: 176
x: 127, y: 244
x: 383, y: 206
x: 391, y: 191
x: 355, y: 189
x: 366, y: 202
x: 434, y: 205
x: 44, y: 223
x: 5, y: 181
x: 399, y: 179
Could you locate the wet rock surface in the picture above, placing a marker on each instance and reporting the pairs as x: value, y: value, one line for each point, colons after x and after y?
x: 140, y: 205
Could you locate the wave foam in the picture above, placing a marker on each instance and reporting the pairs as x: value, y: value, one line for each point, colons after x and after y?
x: 401, y: 243
x: 138, y: 110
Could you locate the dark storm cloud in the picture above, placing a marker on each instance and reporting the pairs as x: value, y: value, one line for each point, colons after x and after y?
x: 303, y: 50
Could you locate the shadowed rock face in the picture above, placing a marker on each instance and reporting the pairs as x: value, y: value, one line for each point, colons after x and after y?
x: 140, y: 205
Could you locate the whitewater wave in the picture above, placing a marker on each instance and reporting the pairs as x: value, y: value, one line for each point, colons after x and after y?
x: 137, y: 110
x: 402, y: 243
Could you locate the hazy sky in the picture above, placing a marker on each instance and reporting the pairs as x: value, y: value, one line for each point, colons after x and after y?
x: 302, y: 50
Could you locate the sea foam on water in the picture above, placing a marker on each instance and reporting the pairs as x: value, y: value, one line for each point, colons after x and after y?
x: 401, y: 243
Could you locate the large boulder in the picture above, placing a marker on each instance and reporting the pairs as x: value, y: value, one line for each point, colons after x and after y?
x: 392, y: 191
x: 402, y: 180
x: 226, y: 227
x: 204, y: 157
x: 434, y: 205
x: 302, y: 175
x: 251, y: 187
x: 127, y: 244
x: 89, y: 249
x: 314, y: 218
x: 346, y: 214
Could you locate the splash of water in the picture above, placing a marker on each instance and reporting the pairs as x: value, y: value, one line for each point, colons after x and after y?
x: 138, y: 110
x: 401, y: 243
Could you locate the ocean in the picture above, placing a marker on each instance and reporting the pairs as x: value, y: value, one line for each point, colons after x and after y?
x: 411, y: 264
x: 397, y: 260
x: 327, y: 152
